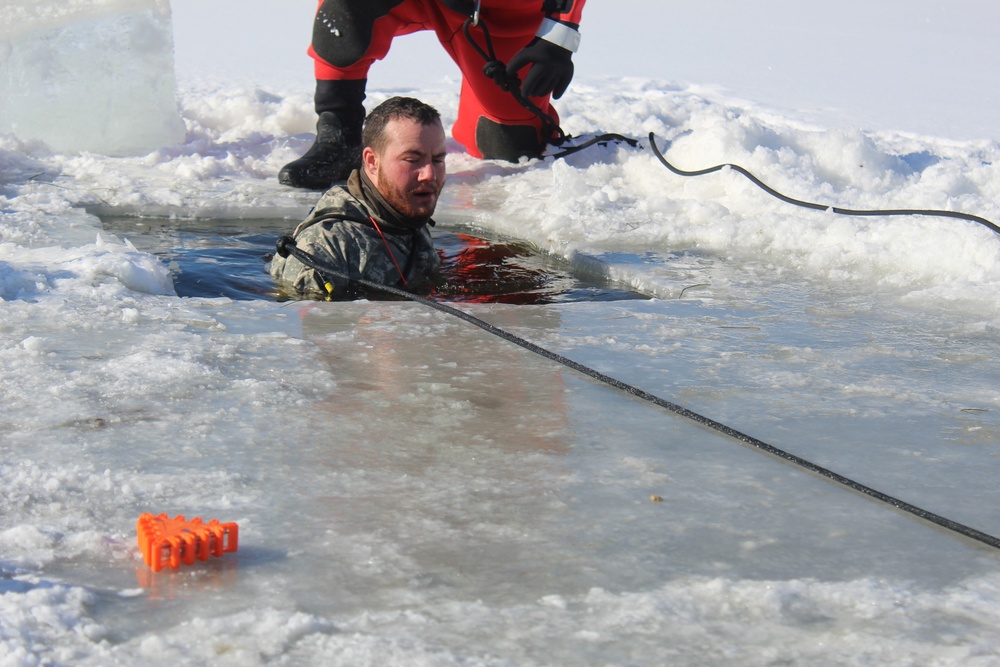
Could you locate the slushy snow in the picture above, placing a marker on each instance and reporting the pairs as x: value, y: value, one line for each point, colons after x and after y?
x: 412, y: 491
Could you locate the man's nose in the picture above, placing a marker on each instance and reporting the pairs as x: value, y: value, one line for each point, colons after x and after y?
x: 426, y: 172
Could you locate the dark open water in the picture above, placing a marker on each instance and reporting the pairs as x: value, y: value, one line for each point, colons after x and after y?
x: 212, y: 258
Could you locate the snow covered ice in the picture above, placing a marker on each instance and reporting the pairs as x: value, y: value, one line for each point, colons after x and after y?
x: 412, y: 491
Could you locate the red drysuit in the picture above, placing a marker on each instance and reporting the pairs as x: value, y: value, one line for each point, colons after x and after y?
x: 350, y: 35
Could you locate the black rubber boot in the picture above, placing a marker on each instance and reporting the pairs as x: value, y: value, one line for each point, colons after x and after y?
x: 337, y: 149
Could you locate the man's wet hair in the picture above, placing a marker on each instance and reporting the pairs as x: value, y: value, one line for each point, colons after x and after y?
x: 373, y: 134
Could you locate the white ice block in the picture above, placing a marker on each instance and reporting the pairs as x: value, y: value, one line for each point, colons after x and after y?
x: 89, y: 75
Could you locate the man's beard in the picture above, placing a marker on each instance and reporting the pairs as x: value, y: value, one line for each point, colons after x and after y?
x: 399, y: 200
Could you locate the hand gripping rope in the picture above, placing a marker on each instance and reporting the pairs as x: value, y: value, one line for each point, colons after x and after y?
x: 285, y: 246
x: 496, y: 70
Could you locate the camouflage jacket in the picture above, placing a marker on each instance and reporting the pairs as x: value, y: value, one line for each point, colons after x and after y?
x: 339, y: 232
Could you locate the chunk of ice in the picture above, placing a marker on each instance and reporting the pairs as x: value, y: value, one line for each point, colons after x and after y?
x: 89, y: 75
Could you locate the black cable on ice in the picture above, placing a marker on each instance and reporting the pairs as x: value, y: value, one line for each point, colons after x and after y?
x: 286, y: 246
x: 819, y: 207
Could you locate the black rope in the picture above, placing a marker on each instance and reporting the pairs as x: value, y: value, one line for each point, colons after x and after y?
x: 286, y: 246
x: 601, y: 139
x: 819, y: 207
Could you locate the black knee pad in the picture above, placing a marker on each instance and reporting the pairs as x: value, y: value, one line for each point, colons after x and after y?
x: 507, y: 142
x: 342, y: 31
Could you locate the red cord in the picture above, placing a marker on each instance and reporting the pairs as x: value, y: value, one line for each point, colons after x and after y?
x: 389, y: 248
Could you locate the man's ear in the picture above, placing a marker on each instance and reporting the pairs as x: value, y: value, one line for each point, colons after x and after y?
x: 369, y: 160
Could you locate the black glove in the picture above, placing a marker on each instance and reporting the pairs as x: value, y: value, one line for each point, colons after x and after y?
x: 463, y: 7
x: 551, y: 68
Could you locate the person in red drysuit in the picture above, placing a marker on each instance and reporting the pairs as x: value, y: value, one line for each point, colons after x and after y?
x: 535, y: 38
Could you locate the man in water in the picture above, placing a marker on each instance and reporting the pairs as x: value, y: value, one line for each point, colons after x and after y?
x: 534, y: 39
x: 374, y: 227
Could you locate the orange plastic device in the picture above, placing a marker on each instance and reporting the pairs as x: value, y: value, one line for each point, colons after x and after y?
x: 171, y: 542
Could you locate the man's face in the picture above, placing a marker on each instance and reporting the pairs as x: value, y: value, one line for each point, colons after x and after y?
x: 410, y: 171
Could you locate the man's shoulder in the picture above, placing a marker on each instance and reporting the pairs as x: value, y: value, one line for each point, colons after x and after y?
x: 339, y: 198
x: 336, y: 205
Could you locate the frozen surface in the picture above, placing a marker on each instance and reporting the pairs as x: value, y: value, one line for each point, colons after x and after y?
x: 89, y: 75
x: 412, y: 491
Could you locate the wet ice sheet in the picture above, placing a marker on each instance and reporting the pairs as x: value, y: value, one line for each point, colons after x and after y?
x: 407, y: 483
x: 410, y: 489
